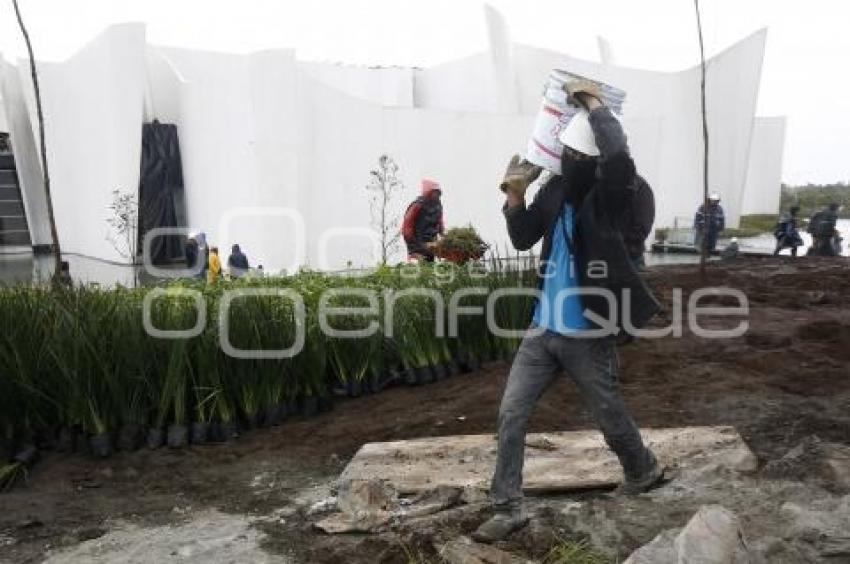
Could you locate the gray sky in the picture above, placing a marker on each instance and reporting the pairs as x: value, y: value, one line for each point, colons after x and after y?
x: 805, y: 72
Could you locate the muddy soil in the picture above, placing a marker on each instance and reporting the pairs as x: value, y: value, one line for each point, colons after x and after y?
x: 785, y: 379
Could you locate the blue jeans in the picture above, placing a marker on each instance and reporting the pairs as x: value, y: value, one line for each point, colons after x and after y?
x: 592, y: 365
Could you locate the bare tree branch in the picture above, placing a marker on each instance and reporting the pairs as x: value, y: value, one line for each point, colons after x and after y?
x: 704, y: 251
x: 57, y: 253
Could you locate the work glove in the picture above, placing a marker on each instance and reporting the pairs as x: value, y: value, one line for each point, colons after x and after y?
x: 519, y: 176
x: 577, y: 89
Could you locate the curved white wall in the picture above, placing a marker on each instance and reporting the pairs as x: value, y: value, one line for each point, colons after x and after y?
x: 93, y: 113
x: 763, y: 190
x: 387, y: 86
x: 264, y: 133
x: 162, y: 88
x: 27, y: 154
x: 662, y: 114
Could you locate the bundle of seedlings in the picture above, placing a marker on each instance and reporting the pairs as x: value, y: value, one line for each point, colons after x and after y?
x: 461, y: 244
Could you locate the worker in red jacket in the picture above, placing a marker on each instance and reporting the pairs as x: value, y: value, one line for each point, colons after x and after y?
x: 423, y: 222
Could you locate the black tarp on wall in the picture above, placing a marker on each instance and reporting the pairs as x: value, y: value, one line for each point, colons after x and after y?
x: 161, y: 198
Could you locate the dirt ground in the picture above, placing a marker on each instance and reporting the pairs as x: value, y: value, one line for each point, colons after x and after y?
x: 786, y: 379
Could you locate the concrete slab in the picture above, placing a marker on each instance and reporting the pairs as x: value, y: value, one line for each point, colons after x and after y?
x: 573, y: 460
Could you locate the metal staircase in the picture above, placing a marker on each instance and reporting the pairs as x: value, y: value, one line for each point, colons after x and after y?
x: 14, y: 231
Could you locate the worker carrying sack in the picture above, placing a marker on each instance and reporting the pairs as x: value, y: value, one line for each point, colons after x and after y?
x: 821, y: 225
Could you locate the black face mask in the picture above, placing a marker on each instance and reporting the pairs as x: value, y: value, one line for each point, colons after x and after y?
x: 579, y: 176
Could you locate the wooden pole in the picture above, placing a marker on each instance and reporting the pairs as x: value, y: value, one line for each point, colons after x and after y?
x: 57, y: 254
x: 707, y: 218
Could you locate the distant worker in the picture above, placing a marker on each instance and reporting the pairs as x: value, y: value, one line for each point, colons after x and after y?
x: 197, y: 254
x: 190, y: 252
x: 639, y: 219
x: 214, y: 266
x: 824, y: 234
x: 709, y: 223
x: 787, y: 236
x: 732, y: 250
x: 423, y: 222
x: 237, y: 262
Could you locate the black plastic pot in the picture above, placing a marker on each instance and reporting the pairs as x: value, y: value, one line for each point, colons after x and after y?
x: 222, y: 432
x: 452, y: 368
x: 101, y: 445
x: 66, y: 440
x: 473, y: 364
x: 409, y: 377
x: 354, y: 388
x: 129, y: 437
x: 309, y: 406
x: 155, y: 437
x: 391, y: 378
x: 273, y: 415
x: 27, y: 455
x: 339, y: 389
x: 45, y: 439
x: 326, y: 403
x: 460, y: 358
x: 178, y: 436
x: 292, y: 407
x: 253, y: 421
x: 229, y: 431
x: 440, y: 372
x: 424, y: 374
x: 199, y: 432
x: 373, y: 385
x: 215, y: 433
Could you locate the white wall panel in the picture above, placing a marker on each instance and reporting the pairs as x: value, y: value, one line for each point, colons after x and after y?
x: 27, y: 154
x: 763, y: 189
x: 387, y: 86
x: 93, y: 105
x: 268, y: 133
x: 668, y: 142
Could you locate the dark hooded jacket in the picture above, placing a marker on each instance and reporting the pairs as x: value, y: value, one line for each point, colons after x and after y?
x: 602, y: 215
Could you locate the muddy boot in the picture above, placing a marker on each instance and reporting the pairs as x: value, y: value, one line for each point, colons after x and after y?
x: 500, y: 525
x: 643, y: 482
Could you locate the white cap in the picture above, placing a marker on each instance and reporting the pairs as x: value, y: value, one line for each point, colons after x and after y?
x: 578, y: 135
x: 714, y: 196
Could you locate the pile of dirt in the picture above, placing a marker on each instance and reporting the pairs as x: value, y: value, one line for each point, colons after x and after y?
x: 786, y: 379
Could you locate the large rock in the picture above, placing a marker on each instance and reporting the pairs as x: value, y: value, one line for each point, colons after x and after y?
x: 364, y: 506
x: 659, y: 550
x: 368, y: 505
x: 712, y: 536
x: 825, y: 526
x: 365, y: 496
x: 464, y: 550
x: 434, y: 501
x: 821, y: 462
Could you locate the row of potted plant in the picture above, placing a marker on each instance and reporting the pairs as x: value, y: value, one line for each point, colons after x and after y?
x: 77, y: 366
